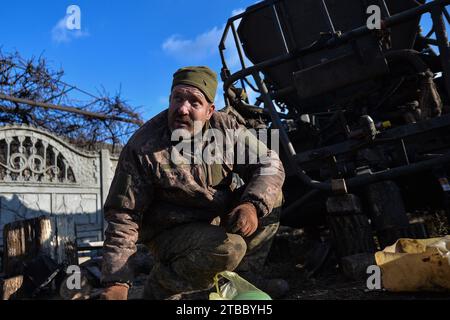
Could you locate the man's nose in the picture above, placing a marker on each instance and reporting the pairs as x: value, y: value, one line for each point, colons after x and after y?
x: 184, y: 108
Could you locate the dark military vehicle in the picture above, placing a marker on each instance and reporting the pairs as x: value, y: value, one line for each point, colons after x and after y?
x: 362, y: 106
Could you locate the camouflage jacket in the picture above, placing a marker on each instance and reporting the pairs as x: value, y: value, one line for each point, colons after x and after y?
x: 150, y: 193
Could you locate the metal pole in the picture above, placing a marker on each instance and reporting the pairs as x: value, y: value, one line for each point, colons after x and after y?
x: 444, y: 50
x: 287, y: 145
x: 447, y: 16
x: 237, y: 41
x: 384, y: 7
x: 238, y: 48
x: 326, y: 13
x: 280, y: 28
x: 285, y: 142
x: 222, y: 44
x: 389, y: 174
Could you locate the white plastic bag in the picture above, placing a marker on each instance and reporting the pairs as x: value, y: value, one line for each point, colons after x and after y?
x: 416, y: 265
x: 237, y: 288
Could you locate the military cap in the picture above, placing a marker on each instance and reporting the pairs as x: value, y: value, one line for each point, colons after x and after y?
x: 203, y: 78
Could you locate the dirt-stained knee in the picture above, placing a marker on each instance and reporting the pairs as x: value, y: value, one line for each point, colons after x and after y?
x: 236, y: 248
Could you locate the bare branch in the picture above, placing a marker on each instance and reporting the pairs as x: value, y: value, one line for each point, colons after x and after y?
x: 31, y: 93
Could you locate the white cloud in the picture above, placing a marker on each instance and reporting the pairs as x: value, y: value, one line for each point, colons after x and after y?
x: 201, y: 47
x: 61, y: 34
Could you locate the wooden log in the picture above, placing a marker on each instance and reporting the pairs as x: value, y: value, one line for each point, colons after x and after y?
x: 22, y: 242
x: 11, y: 288
x: 25, y: 240
x: 66, y: 245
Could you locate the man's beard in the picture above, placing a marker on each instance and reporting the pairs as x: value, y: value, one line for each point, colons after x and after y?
x: 183, y: 122
x: 186, y: 124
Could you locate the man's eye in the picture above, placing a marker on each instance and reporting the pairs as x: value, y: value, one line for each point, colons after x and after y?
x: 195, y: 104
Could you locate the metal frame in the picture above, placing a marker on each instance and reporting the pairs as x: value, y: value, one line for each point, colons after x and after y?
x: 437, y: 10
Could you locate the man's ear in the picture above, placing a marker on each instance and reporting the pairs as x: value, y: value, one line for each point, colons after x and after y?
x: 211, y: 109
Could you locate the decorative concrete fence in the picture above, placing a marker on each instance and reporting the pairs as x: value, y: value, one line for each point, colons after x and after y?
x: 41, y: 174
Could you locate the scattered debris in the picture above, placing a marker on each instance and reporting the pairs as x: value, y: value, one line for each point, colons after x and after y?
x: 141, y: 263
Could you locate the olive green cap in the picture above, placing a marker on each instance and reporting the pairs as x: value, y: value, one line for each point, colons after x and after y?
x: 203, y: 78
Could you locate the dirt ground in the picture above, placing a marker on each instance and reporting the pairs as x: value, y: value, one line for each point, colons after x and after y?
x: 288, y: 261
x: 309, y: 266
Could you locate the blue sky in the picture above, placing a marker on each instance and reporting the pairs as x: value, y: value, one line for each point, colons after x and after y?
x: 135, y: 45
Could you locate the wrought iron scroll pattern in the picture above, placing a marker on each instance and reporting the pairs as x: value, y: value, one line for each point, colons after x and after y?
x: 29, y: 159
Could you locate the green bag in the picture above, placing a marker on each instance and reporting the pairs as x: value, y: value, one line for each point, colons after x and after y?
x: 237, y: 288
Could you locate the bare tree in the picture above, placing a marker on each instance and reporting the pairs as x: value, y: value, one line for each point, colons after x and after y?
x: 31, y: 93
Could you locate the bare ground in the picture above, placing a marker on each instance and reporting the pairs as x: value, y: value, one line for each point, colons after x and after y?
x: 288, y: 261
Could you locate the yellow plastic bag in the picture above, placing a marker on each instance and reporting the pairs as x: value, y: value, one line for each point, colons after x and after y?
x: 237, y: 288
x: 416, y: 265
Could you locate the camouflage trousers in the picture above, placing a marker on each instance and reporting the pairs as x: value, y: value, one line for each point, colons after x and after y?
x: 189, y: 256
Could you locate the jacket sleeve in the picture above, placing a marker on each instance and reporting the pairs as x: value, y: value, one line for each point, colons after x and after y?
x: 261, y: 170
x: 129, y: 195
